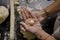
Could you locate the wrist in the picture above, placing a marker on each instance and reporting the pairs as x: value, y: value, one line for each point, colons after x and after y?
x: 41, y: 34
x: 42, y: 16
x: 45, y: 13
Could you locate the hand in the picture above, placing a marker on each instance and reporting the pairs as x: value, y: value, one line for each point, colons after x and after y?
x: 27, y: 17
x: 41, y: 15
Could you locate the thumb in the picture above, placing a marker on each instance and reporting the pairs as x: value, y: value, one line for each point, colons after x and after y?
x: 24, y: 25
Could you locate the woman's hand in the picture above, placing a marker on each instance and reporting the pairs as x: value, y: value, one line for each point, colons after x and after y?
x: 30, y: 21
x: 41, y: 15
x: 34, y: 26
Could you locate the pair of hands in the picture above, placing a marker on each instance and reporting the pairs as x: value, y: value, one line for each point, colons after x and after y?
x: 26, y: 25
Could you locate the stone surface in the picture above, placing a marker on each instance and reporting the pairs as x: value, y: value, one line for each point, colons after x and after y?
x: 3, y: 14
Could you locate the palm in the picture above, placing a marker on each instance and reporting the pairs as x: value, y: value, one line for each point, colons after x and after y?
x: 27, y: 17
x: 32, y: 22
x: 33, y: 27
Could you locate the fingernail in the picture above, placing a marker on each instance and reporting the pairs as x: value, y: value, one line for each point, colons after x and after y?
x: 23, y: 29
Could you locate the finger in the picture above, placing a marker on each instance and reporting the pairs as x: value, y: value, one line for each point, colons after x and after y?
x: 33, y: 15
x: 24, y: 25
x: 22, y: 28
x: 23, y: 15
x: 26, y: 12
x: 29, y: 15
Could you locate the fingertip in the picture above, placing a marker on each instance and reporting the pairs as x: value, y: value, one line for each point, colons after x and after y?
x: 22, y: 28
x: 22, y: 23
